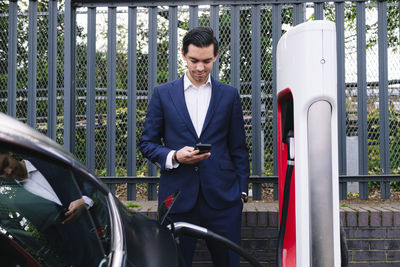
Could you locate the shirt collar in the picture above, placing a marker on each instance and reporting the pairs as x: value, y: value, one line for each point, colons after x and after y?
x: 187, y: 83
x: 29, y: 169
x: 29, y: 166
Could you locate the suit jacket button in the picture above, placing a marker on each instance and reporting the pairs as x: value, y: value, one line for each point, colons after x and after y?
x: 196, y: 168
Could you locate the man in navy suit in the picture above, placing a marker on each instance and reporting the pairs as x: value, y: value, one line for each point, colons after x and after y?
x: 199, y: 109
x: 47, y: 196
x: 48, y: 183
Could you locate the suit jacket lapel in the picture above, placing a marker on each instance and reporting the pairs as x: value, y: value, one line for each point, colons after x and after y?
x: 215, y: 95
x: 60, y: 180
x: 178, y: 98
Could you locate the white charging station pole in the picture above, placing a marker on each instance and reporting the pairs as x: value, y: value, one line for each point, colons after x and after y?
x: 307, y: 73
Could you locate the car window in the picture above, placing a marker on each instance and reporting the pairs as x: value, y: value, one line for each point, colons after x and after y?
x: 49, y: 215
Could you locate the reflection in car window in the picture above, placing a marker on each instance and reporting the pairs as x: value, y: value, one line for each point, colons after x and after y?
x: 50, y: 216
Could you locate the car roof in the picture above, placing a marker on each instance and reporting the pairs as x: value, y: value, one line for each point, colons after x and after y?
x: 14, y: 133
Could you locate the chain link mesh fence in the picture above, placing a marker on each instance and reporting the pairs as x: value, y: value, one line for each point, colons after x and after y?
x: 372, y: 67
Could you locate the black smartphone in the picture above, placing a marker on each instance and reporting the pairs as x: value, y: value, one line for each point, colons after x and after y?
x: 203, y: 148
x: 61, y: 215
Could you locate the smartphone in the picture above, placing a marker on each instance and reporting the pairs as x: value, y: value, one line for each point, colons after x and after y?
x: 61, y: 215
x: 203, y: 148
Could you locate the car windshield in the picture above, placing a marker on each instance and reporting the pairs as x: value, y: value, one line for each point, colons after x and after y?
x: 49, y: 216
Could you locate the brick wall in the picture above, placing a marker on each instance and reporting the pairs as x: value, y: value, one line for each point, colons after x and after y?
x: 373, y: 234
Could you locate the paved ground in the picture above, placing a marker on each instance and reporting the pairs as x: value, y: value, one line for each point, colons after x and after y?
x: 147, y: 206
x: 253, y: 206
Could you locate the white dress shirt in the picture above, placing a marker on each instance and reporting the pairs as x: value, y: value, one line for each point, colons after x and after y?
x: 197, y: 102
x: 37, y: 184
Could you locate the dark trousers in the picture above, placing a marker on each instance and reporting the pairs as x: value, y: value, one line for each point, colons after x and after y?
x: 226, y: 223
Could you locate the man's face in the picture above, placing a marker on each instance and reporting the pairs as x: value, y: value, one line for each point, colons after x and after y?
x: 11, y: 168
x: 199, y: 62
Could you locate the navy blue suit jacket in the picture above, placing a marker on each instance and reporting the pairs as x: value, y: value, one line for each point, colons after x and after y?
x: 62, y: 182
x: 224, y: 175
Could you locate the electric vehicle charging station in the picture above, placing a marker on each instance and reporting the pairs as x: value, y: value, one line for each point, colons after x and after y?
x: 308, y: 146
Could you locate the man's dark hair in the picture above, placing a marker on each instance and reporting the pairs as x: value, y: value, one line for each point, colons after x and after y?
x: 200, y: 37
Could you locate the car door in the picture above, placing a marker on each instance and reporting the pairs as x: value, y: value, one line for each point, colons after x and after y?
x: 51, y: 214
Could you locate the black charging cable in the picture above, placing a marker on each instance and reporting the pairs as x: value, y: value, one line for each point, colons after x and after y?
x: 286, y: 196
x: 188, y: 229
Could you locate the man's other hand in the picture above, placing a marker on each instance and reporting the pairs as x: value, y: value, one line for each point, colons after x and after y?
x: 75, y: 209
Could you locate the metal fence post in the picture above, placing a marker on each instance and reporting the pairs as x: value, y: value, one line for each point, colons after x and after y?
x: 111, y: 90
x: 12, y: 58
x: 52, y: 75
x: 298, y: 13
x: 91, y: 90
x: 339, y: 18
x: 319, y: 11
x: 214, y: 23
x: 32, y: 62
x: 69, y: 76
x: 276, y: 35
x: 193, y: 17
x: 152, y: 169
x: 235, y: 46
x: 384, y: 150
x: 362, y: 97
x: 256, y: 99
x: 132, y: 83
x: 173, y: 43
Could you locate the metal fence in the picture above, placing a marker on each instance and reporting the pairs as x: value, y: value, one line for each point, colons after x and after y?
x: 82, y: 73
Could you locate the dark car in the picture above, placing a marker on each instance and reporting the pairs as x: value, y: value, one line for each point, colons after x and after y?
x: 34, y: 230
x: 54, y: 212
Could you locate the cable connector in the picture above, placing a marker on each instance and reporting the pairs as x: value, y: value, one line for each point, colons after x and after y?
x: 290, y: 144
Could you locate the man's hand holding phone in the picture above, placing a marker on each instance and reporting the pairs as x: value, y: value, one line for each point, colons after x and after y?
x: 190, y: 155
x: 203, y: 148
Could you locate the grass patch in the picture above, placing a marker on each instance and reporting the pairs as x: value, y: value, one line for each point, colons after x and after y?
x: 132, y: 205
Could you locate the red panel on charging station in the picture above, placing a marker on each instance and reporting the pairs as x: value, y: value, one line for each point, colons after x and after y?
x: 289, y: 244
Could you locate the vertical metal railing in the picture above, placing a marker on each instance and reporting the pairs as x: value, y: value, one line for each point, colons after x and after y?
x: 152, y: 70
x: 276, y: 35
x: 383, y: 97
x: 318, y: 11
x: 341, y: 100
x: 52, y: 71
x: 12, y: 59
x: 132, y: 83
x: 256, y: 156
x: 193, y: 17
x: 298, y: 13
x: 173, y: 43
x: 361, y: 99
x: 235, y: 46
x: 111, y: 89
x: 69, y: 76
x: 32, y: 62
x: 214, y: 24
x: 91, y: 90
